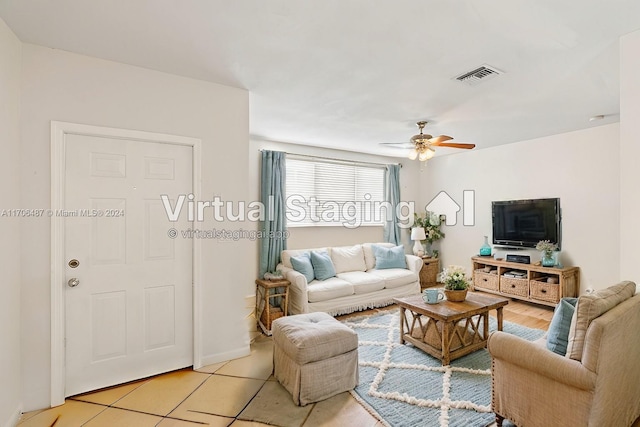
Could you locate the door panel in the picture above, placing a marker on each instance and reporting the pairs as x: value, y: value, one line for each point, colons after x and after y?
x: 108, y: 325
x: 130, y: 316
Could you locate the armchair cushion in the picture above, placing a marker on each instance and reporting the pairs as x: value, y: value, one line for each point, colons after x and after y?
x: 558, y: 333
x: 389, y: 257
x: 302, y: 264
x: 590, y: 307
x: 323, y: 268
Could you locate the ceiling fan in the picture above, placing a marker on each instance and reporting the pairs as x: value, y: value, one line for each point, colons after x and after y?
x: 422, y: 144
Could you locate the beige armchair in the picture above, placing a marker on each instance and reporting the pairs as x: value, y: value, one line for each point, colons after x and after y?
x: 596, y: 384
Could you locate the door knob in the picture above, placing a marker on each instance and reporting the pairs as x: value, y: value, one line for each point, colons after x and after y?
x: 73, y: 282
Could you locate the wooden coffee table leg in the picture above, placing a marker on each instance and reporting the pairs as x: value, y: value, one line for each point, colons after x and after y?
x: 445, y: 343
x: 499, y: 310
x: 485, y: 326
x: 402, y: 324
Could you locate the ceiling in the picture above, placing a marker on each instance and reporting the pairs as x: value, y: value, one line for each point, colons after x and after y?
x: 351, y: 74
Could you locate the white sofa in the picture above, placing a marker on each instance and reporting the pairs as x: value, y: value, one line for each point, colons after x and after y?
x: 357, y: 284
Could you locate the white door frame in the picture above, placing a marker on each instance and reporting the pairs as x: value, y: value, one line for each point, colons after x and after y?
x: 58, y: 274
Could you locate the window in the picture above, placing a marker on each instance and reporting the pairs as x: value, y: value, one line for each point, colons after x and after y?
x: 322, y: 192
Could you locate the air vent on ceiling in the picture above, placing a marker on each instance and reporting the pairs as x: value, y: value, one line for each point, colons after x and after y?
x: 478, y: 75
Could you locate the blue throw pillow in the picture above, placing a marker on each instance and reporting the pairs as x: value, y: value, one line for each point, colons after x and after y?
x: 323, y: 267
x: 558, y: 333
x: 389, y: 257
x: 302, y: 264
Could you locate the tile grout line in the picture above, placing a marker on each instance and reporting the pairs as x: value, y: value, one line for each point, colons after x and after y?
x: 249, y: 402
x: 116, y: 401
x: 189, y: 395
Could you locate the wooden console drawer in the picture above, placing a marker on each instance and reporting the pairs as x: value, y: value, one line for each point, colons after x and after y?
x: 510, y: 285
x: 544, y: 291
x: 488, y: 281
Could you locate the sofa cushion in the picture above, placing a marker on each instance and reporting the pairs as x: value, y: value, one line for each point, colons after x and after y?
x: 323, y: 290
x: 369, y: 257
x: 558, y: 333
x: 348, y: 258
x: 389, y: 257
x: 302, y: 264
x: 362, y: 282
x: 395, y: 277
x: 590, y: 307
x: 322, y: 265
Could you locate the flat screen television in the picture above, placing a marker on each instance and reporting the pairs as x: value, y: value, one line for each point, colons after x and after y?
x: 523, y: 223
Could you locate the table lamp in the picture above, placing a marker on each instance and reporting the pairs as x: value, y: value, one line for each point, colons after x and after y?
x: 417, y: 234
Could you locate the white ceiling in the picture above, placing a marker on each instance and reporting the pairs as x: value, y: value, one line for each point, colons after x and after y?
x: 351, y: 74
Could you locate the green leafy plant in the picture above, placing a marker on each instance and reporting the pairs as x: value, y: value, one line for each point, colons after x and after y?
x: 454, y: 278
x: 547, y: 247
x: 431, y: 224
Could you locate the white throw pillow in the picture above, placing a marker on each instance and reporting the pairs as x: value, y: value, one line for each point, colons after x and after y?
x: 348, y: 258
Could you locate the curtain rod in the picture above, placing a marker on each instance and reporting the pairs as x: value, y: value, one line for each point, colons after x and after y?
x: 332, y: 158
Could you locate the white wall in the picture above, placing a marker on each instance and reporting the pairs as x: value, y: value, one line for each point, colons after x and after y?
x: 307, y: 237
x: 629, y: 155
x: 10, y: 395
x: 581, y: 168
x: 62, y: 86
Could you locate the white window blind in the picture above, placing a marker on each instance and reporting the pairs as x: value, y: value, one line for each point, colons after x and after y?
x: 324, y: 192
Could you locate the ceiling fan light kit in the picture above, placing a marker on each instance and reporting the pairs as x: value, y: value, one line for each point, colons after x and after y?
x: 423, y: 144
x: 425, y: 155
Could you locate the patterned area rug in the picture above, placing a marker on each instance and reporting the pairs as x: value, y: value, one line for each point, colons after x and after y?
x: 405, y: 387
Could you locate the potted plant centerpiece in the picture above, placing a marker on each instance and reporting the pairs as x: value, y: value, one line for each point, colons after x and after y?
x: 547, y: 248
x: 431, y: 224
x: 455, y: 283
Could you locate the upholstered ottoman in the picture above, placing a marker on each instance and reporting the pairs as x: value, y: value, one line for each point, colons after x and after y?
x: 314, y: 356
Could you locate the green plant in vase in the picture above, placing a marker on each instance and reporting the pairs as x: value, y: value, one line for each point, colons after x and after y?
x: 547, y: 248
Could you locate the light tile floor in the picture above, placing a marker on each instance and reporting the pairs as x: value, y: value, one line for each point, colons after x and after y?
x: 225, y: 394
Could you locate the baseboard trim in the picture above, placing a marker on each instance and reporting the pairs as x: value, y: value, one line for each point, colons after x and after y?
x: 223, y: 357
x: 14, y: 418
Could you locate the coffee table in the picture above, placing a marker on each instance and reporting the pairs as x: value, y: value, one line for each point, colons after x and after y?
x: 448, y: 330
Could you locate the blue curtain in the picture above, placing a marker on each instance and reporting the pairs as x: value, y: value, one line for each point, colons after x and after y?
x: 392, y: 195
x: 272, y: 195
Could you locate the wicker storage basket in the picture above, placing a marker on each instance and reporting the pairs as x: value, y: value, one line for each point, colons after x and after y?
x: 544, y: 291
x: 433, y: 335
x: 274, y: 313
x: 510, y: 285
x: 429, y: 274
x: 483, y: 280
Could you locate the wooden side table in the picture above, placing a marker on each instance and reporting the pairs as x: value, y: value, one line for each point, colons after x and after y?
x: 266, y: 310
x: 429, y: 272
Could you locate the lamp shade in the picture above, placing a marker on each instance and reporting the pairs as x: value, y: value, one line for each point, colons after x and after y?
x: 417, y: 233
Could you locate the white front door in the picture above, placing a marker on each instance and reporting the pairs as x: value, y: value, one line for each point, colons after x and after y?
x: 129, y: 315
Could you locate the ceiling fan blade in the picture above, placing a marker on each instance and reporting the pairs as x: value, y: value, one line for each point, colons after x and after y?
x: 440, y: 138
x: 455, y: 145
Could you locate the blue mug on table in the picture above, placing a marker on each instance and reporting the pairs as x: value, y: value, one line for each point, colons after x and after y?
x: 432, y: 296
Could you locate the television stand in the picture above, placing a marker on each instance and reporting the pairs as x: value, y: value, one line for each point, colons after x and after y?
x: 540, y: 285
